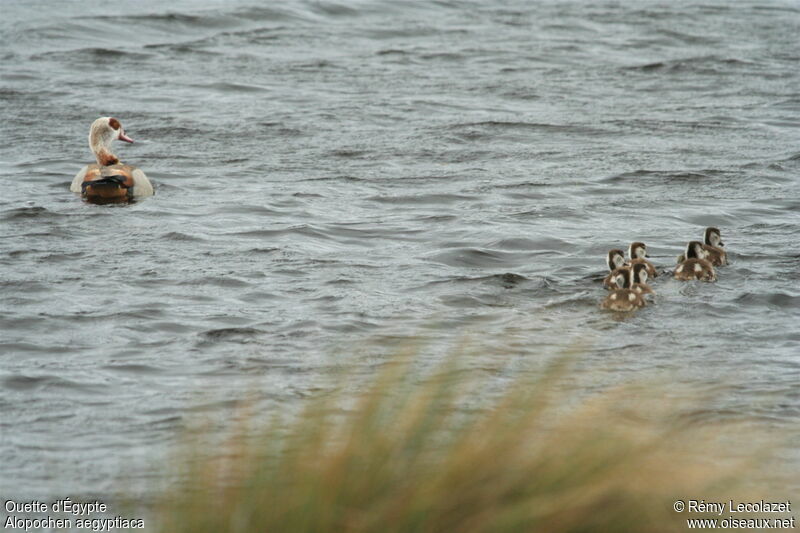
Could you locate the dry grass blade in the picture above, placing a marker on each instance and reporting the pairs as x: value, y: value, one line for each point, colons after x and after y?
x: 407, y: 457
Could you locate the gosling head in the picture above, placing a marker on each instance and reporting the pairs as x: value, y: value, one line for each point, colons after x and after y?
x: 615, y: 259
x: 637, y: 250
x: 638, y: 274
x: 713, y: 237
x: 623, y: 278
x: 694, y: 250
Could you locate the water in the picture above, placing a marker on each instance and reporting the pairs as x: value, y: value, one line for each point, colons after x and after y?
x: 333, y: 179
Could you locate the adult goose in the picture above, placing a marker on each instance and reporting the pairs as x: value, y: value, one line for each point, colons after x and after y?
x: 108, y: 180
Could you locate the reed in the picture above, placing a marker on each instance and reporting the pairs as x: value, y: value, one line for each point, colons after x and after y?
x: 409, y: 455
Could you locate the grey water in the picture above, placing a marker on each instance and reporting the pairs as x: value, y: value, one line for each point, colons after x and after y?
x: 334, y: 180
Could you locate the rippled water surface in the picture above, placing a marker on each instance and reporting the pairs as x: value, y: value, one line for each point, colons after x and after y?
x: 333, y: 178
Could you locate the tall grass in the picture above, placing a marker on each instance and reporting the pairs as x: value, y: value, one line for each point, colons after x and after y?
x: 407, y: 456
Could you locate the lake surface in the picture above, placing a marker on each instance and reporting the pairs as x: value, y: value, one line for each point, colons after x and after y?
x: 333, y: 179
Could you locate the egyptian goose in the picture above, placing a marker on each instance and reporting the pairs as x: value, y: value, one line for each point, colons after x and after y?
x: 615, y: 261
x: 695, y: 265
x: 713, y: 247
x: 109, y: 180
x: 637, y: 252
x: 629, y: 294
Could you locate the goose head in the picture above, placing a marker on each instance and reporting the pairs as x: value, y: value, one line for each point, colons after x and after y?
x: 622, y: 278
x: 713, y: 237
x: 637, y: 250
x: 694, y: 250
x: 638, y: 274
x: 615, y: 259
x: 103, y: 132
